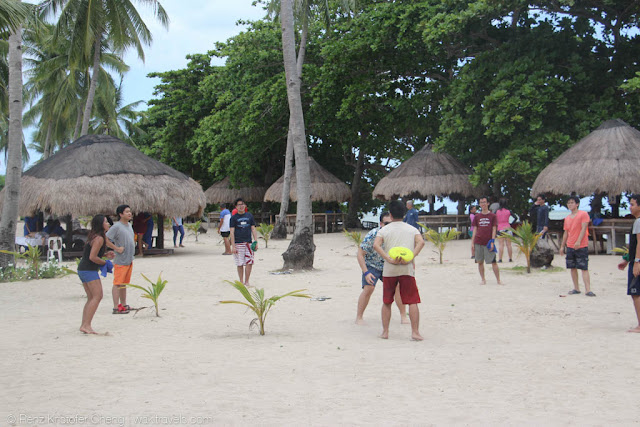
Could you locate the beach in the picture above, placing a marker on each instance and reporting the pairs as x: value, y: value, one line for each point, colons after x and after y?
x: 521, y: 354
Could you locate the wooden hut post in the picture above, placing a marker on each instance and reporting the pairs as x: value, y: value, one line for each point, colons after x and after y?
x: 160, y: 238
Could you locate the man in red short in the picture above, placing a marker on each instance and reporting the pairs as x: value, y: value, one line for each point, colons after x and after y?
x: 397, y: 271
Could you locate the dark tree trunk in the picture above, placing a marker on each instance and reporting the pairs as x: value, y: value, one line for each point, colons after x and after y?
x: 354, y: 205
x: 160, y: 238
x: 299, y: 256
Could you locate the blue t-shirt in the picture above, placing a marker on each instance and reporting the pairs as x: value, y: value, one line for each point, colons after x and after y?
x: 411, y: 218
x: 32, y: 223
x: 371, y: 257
x: 241, y: 224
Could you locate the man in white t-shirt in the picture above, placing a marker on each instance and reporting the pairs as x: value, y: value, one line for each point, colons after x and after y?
x: 397, y: 271
x: 224, y: 229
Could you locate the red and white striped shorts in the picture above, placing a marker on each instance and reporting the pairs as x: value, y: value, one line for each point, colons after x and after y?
x: 244, y: 255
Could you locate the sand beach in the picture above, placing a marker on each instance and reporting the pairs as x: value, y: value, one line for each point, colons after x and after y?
x: 521, y: 354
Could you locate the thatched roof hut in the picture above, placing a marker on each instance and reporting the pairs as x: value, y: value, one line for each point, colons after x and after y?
x: 325, y: 187
x: 426, y: 174
x: 605, y: 161
x: 97, y: 173
x: 223, y: 192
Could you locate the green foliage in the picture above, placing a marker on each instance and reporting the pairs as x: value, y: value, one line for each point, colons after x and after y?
x: 151, y: 292
x: 525, y: 239
x: 257, y: 303
x: 46, y: 270
x: 354, y: 236
x: 440, y: 239
x: 194, y: 228
x: 31, y: 255
x: 265, y: 231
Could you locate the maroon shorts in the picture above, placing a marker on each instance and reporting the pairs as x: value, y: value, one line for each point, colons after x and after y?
x: 408, y: 289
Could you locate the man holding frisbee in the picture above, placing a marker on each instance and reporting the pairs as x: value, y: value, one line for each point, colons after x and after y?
x: 398, y: 271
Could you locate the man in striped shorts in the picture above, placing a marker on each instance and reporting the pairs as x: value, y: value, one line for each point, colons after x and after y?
x: 243, y: 227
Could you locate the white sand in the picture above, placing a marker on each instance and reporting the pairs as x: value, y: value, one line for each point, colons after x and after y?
x: 508, y: 355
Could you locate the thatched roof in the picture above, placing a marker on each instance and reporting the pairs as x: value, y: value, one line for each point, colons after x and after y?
x: 325, y: 187
x: 223, y: 192
x: 426, y: 174
x: 97, y: 173
x: 605, y: 161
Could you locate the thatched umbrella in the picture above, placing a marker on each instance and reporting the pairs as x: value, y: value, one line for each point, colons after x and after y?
x: 325, y: 187
x: 97, y: 173
x: 605, y: 161
x: 222, y: 192
x: 426, y: 174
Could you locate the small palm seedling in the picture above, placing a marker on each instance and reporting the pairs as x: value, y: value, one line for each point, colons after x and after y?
x: 257, y: 303
x: 265, y: 232
x: 354, y: 236
x: 31, y: 256
x: 194, y: 228
x: 152, y: 292
x: 441, y: 239
x: 525, y: 239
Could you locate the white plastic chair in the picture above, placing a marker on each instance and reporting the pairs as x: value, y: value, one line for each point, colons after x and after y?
x: 54, y: 246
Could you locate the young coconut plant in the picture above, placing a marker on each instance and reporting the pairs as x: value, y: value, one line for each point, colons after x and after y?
x: 152, y: 292
x: 439, y: 240
x: 194, y: 228
x: 257, y: 303
x: 354, y: 236
x: 265, y: 232
x: 525, y: 239
x: 31, y: 256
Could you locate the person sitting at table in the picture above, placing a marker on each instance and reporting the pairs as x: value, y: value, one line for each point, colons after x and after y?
x: 54, y: 228
x: 30, y: 225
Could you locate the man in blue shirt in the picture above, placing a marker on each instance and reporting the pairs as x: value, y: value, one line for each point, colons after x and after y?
x: 371, y: 264
x: 411, y: 217
x: 242, y: 228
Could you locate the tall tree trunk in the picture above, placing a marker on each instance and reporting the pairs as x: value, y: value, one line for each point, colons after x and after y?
x: 280, y: 228
x: 76, y: 131
x: 47, y: 141
x: 92, y: 87
x: 14, y: 150
x: 300, y: 253
x: 354, y: 205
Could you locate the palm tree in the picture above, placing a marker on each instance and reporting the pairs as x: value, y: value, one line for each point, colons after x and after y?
x: 12, y: 14
x: 112, y: 118
x: 94, y: 23
x: 525, y: 239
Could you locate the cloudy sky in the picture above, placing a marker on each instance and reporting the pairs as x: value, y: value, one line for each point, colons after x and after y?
x: 194, y: 28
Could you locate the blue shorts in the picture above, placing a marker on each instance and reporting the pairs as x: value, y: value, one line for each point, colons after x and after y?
x: 578, y: 258
x: 88, y: 276
x: 377, y: 274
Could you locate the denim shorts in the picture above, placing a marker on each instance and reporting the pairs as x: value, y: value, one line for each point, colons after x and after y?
x: 377, y: 274
x: 578, y: 258
x: 88, y: 276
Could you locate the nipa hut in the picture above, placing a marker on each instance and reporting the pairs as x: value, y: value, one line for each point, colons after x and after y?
x: 223, y: 192
x: 427, y: 174
x: 605, y: 161
x: 325, y: 187
x: 97, y: 173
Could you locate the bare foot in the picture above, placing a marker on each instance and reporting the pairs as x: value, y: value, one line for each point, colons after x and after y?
x: 501, y: 283
x: 182, y: 246
x: 248, y: 285
x: 384, y: 335
x: 360, y: 322
x: 88, y: 331
x: 635, y: 330
x: 416, y: 337
x: 484, y: 282
x: 405, y: 320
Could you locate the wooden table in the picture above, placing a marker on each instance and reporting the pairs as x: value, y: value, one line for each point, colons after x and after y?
x: 610, y: 227
x: 323, y: 222
x: 462, y: 223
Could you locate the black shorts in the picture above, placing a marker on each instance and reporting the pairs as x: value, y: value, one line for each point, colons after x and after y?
x: 578, y: 258
x: 633, y: 282
x: 225, y: 233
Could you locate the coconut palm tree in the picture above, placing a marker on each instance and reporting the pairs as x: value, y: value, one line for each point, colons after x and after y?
x: 112, y: 118
x: 92, y: 23
x: 12, y: 14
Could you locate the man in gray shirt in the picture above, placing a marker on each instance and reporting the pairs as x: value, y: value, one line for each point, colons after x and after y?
x: 121, y: 234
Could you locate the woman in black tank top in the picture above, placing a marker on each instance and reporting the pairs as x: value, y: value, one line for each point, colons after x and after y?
x: 88, y: 268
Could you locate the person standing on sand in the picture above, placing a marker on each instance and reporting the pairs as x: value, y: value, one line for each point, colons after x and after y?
x: 633, y: 283
x: 576, y: 239
x: 88, y: 268
x: 371, y: 265
x: 243, y: 227
x: 503, y: 215
x: 176, y: 224
x: 397, y: 271
x: 411, y: 217
x: 483, y: 246
x: 121, y: 234
x: 542, y: 215
x: 224, y: 230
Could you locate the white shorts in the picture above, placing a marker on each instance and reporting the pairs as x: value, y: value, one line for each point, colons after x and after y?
x: 244, y: 255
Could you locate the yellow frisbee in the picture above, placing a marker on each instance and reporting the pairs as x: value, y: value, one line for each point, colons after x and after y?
x: 400, y: 252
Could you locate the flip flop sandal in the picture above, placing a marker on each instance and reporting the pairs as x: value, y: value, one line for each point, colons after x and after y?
x: 573, y: 292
